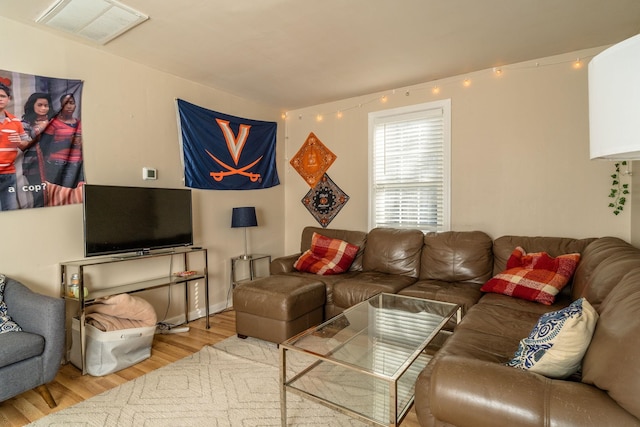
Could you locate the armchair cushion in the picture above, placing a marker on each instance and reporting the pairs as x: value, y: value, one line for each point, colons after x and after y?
x: 6, y: 324
x: 19, y: 346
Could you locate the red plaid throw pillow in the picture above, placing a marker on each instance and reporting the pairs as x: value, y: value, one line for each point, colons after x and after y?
x: 326, y: 256
x: 534, y: 277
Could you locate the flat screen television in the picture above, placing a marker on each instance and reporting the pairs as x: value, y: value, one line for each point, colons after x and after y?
x: 135, y: 219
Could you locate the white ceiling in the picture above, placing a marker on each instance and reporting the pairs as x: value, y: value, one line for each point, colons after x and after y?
x: 296, y: 53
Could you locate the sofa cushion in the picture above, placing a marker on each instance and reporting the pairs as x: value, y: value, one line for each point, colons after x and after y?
x: 602, y: 265
x: 327, y: 280
x: 393, y: 251
x: 364, y: 285
x: 326, y: 256
x: 6, y: 323
x: 611, y: 361
x: 534, y: 276
x: 466, y: 294
x: 508, y: 320
x: 457, y: 256
x: 556, y: 345
x: 524, y: 306
x: 473, y: 392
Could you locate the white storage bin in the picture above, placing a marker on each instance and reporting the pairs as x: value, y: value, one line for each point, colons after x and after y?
x: 108, y: 352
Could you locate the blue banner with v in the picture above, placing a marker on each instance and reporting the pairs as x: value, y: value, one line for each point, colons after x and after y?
x: 223, y: 152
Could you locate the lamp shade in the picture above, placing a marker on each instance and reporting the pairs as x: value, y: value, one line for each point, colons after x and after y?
x: 614, y: 102
x: 244, y: 217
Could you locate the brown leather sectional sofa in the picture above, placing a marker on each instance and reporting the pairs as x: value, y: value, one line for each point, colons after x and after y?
x: 466, y: 383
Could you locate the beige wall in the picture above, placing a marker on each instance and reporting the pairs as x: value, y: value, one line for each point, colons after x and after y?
x: 520, y: 153
x: 129, y: 121
x: 520, y: 160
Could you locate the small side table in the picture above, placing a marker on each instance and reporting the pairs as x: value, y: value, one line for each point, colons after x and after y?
x: 251, y: 259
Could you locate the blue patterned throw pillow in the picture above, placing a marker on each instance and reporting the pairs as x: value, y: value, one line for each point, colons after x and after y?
x: 6, y: 324
x: 556, y: 345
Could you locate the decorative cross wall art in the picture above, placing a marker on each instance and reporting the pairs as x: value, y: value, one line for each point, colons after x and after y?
x: 312, y: 160
x: 325, y: 200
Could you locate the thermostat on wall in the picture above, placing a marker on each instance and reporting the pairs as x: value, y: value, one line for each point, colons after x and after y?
x: 149, y: 173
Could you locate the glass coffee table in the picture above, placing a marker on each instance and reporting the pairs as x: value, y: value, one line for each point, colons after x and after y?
x: 365, y: 361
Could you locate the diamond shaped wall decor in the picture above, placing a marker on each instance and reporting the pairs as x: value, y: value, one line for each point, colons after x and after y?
x: 312, y: 160
x: 325, y: 200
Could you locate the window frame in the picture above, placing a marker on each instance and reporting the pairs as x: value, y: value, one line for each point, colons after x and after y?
x: 403, y: 112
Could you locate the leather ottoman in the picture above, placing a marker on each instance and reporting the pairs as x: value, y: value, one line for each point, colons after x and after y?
x: 277, y: 307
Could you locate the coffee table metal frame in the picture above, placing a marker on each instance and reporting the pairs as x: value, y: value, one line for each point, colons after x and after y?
x: 365, y: 337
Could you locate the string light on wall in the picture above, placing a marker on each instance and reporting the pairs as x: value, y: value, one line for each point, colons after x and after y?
x: 436, y: 87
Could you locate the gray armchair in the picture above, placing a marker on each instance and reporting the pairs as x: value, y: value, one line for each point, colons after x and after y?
x: 31, y: 358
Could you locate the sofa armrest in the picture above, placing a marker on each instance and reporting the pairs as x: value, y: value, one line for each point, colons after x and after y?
x: 283, y: 264
x: 470, y: 392
x: 39, y: 314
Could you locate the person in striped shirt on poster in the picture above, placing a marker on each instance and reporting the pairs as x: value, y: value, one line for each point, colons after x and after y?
x: 12, y: 139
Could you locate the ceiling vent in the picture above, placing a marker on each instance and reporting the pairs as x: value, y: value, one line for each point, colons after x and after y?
x: 98, y: 20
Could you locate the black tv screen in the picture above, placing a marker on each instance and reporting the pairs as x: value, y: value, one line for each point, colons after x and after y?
x: 135, y: 219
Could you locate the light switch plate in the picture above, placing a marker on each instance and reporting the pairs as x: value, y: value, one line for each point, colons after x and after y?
x: 149, y: 173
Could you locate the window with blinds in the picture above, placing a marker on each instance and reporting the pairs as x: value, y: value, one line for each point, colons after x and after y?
x: 410, y: 158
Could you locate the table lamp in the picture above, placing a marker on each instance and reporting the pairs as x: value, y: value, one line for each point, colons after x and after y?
x: 244, y: 217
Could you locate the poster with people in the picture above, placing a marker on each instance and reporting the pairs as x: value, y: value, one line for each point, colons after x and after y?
x: 40, y: 141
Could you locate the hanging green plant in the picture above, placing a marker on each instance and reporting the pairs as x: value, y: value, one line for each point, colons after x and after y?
x: 619, y: 190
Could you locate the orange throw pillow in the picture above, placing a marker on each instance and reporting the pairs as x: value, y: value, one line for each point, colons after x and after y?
x: 533, y: 277
x: 326, y: 256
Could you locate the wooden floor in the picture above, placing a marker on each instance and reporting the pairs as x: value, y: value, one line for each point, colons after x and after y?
x: 71, y: 387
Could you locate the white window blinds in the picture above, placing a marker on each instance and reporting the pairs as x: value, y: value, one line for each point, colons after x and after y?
x: 410, y: 167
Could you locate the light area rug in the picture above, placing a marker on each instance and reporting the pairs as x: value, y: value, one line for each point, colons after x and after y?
x: 234, y: 383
